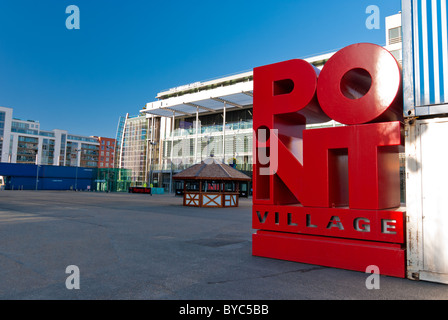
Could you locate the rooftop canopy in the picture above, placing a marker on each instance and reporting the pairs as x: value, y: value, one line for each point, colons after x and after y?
x: 230, y: 92
x: 239, y: 95
x: 211, y: 169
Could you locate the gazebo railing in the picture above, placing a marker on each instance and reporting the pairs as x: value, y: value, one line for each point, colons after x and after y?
x: 211, y: 199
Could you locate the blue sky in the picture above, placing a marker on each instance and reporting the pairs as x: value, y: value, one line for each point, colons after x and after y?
x: 125, y: 52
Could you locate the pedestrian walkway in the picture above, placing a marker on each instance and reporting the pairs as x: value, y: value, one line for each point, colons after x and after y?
x: 136, y: 246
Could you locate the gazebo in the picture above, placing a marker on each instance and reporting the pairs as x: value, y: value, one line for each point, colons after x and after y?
x: 211, y: 183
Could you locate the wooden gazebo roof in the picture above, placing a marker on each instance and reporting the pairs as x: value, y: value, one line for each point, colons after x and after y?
x: 211, y: 169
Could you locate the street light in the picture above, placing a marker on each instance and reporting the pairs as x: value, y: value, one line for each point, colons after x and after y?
x: 108, y: 182
x: 37, y: 168
x: 152, y: 143
x: 76, y: 176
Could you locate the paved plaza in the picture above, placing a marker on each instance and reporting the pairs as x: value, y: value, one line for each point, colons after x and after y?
x: 137, y: 246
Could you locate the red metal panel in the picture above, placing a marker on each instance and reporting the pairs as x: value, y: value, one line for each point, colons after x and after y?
x: 331, y: 252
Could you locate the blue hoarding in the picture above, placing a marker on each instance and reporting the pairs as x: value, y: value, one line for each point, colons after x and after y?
x: 42, y: 177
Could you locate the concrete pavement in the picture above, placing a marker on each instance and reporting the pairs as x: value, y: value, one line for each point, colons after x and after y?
x: 136, y: 246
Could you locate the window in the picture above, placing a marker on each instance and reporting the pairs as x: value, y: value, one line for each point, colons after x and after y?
x: 192, y: 186
x: 395, y: 35
x: 396, y: 54
x: 210, y: 186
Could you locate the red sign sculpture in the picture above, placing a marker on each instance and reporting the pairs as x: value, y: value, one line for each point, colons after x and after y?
x: 330, y: 196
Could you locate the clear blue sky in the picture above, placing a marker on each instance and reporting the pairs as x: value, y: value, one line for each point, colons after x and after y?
x: 125, y: 52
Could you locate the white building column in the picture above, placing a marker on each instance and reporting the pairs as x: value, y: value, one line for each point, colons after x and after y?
x: 13, y: 155
x: 39, y: 151
x: 196, y: 137
x: 224, y: 135
x: 122, y: 141
x: 57, y: 147
x: 171, y: 153
x: 150, y: 145
x: 78, y: 155
x: 5, y: 156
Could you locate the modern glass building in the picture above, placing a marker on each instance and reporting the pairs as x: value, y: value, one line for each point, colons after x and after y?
x: 113, y: 180
x: 189, y: 123
x: 133, y: 137
x: 202, y: 120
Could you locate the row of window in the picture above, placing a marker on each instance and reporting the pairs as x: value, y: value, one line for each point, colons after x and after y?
x: 395, y: 35
x: 215, y: 119
x: 105, y: 142
x: 84, y: 139
x: 89, y: 146
x: 2, y: 125
x: 26, y: 131
x: 106, y: 165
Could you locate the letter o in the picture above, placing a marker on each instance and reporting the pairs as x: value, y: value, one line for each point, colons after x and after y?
x: 360, y: 84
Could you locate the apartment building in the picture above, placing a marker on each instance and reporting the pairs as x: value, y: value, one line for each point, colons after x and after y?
x: 23, y: 141
x: 106, y: 156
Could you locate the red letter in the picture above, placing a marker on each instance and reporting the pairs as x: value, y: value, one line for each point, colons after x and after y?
x: 284, y: 100
x: 360, y: 84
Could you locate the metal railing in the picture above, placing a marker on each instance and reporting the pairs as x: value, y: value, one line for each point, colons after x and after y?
x: 241, y: 125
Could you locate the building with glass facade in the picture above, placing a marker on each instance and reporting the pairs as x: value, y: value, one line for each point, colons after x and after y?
x: 189, y: 123
x: 135, y: 144
x: 202, y: 120
x: 23, y: 141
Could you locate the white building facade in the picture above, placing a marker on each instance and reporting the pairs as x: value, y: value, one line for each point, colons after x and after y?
x: 23, y: 141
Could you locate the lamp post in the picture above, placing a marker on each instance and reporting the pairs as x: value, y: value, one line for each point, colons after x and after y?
x: 108, y: 182
x: 37, y: 168
x: 77, y: 165
x: 151, y: 143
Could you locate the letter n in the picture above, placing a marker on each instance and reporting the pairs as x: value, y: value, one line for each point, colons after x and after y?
x: 363, y: 159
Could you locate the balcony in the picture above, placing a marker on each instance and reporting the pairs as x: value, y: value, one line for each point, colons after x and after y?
x: 166, y: 167
x: 241, y: 125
